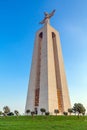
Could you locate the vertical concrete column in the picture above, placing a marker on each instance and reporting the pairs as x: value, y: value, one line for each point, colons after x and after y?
x: 43, y: 98
x: 30, y: 102
x: 52, y: 86
x: 64, y: 86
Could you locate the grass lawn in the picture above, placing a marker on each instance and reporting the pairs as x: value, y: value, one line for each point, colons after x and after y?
x: 43, y: 123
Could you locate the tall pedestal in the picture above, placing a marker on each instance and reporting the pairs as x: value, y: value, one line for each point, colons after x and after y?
x: 47, y: 85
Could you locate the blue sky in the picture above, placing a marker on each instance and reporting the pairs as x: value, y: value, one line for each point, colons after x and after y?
x: 18, y: 24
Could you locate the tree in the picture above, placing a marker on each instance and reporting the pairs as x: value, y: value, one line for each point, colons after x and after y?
x: 4, y: 114
x: 79, y: 108
x: 84, y: 110
x: 65, y: 113
x: 42, y: 110
x: 16, y: 112
x: 0, y: 113
x: 75, y: 108
x: 56, y: 111
x: 32, y: 113
x: 70, y: 110
x: 47, y: 113
x: 27, y: 111
x: 10, y: 114
x: 6, y: 109
x: 36, y: 111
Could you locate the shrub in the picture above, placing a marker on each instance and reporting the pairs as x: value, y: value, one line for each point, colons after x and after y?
x: 10, y: 114
x: 56, y: 111
x: 70, y: 110
x: 42, y: 110
x: 65, y: 113
x: 47, y: 113
x: 32, y: 113
x: 27, y: 111
x: 16, y: 112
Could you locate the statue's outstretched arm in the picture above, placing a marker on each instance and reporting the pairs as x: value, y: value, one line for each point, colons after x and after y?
x: 43, y: 21
x: 52, y: 13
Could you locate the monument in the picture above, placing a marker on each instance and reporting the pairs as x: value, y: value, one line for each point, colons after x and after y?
x: 47, y: 85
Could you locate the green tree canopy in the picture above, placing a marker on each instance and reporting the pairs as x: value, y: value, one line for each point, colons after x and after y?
x: 16, y: 112
x: 6, y: 109
x: 32, y: 113
x: 27, y: 111
x: 56, y: 111
x: 79, y: 108
x: 0, y: 112
x: 70, y: 110
x: 42, y: 110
